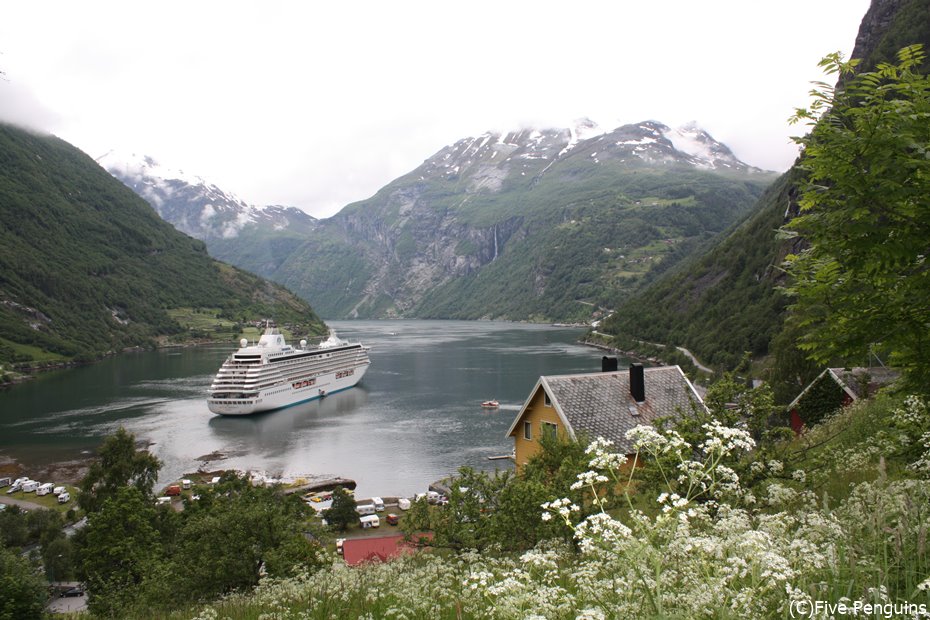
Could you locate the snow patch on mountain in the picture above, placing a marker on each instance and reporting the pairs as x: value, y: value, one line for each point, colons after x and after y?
x: 706, y: 152
x: 193, y: 205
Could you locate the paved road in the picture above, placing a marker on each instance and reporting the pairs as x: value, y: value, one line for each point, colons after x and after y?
x: 688, y: 353
x: 22, y: 503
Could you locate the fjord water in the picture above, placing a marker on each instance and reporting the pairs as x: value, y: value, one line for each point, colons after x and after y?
x: 415, y: 417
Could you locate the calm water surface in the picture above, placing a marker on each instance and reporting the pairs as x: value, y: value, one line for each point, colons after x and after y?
x: 415, y: 417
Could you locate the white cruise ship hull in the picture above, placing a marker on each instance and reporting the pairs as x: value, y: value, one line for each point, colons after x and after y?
x: 282, y: 396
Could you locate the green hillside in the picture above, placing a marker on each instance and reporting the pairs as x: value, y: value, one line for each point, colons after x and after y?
x: 594, y: 246
x: 87, y: 267
x: 725, y: 302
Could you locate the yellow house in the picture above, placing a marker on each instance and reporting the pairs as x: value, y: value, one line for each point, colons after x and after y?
x: 604, y: 404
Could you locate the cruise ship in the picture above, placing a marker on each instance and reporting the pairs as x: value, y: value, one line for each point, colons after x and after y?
x: 271, y: 374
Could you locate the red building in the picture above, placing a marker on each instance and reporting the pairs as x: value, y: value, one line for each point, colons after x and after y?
x: 835, y: 388
x: 380, y: 549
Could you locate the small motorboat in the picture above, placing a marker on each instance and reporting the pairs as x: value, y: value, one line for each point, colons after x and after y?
x: 490, y: 404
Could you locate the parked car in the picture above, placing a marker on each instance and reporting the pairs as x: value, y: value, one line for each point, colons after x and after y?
x: 18, y: 486
x: 77, y: 590
x: 58, y: 490
x: 64, y: 497
x: 392, y: 519
x: 339, y: 543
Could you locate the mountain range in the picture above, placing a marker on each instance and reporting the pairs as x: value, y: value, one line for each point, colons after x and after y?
x: 536, y: 224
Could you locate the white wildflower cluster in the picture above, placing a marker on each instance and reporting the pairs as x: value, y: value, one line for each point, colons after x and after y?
x: 913, y: 420
x: 914, y: 415
x: 589, y: 479
x: 924, y: 585
x: 725, y: 440
x: 600, y: 530
x: 207, y: 614
x: 562, y: 507
x: 603, y: 459
x: 647, y: 439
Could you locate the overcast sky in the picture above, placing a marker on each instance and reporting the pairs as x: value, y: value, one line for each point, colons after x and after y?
x: 318, y: 105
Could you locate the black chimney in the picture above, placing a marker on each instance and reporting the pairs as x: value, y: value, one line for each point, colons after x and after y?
x: 638, y: 382
x: 608, y: 364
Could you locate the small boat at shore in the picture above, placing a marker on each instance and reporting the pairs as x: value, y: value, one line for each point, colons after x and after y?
x: 490, y: 404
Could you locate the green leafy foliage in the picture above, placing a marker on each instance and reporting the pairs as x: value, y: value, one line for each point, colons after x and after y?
x: 341, y: 513
x: 87, y: 267
x: 822, y: 398
x: 863, y: 284
x: 119, y: 464
x: 501, y: 510
x: 136, y: 556
x: 22, y: 591
x: 119, y: 548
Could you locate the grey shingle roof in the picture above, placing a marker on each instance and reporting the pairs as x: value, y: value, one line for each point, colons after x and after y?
x: 600, y: 404
x: 855, y: 380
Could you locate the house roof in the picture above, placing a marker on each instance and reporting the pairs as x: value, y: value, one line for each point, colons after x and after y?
x: 856, y: 382
x: 600, y: 404
x: 382, y: 548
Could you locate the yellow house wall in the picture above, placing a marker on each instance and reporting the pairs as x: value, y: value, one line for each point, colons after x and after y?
x: 536, y: 413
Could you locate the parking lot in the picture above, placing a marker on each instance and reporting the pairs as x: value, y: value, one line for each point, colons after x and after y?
x: 66, y: 604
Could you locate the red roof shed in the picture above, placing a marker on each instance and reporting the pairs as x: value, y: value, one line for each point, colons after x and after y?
x: 383, y: 548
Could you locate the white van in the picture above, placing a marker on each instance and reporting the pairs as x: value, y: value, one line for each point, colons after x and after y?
x: 64, y: 498
x: 58, y: 490
x: 185, y: 484
x: 365, y: 509
x: 30, y: 486
x: 403, y: 503
x: 369, y: 521
x: 378, y: 503
x: 45, y: 489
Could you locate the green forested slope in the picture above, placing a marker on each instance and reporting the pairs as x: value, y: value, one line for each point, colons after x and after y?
x: 87, y: 267
x: 725, y: 302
